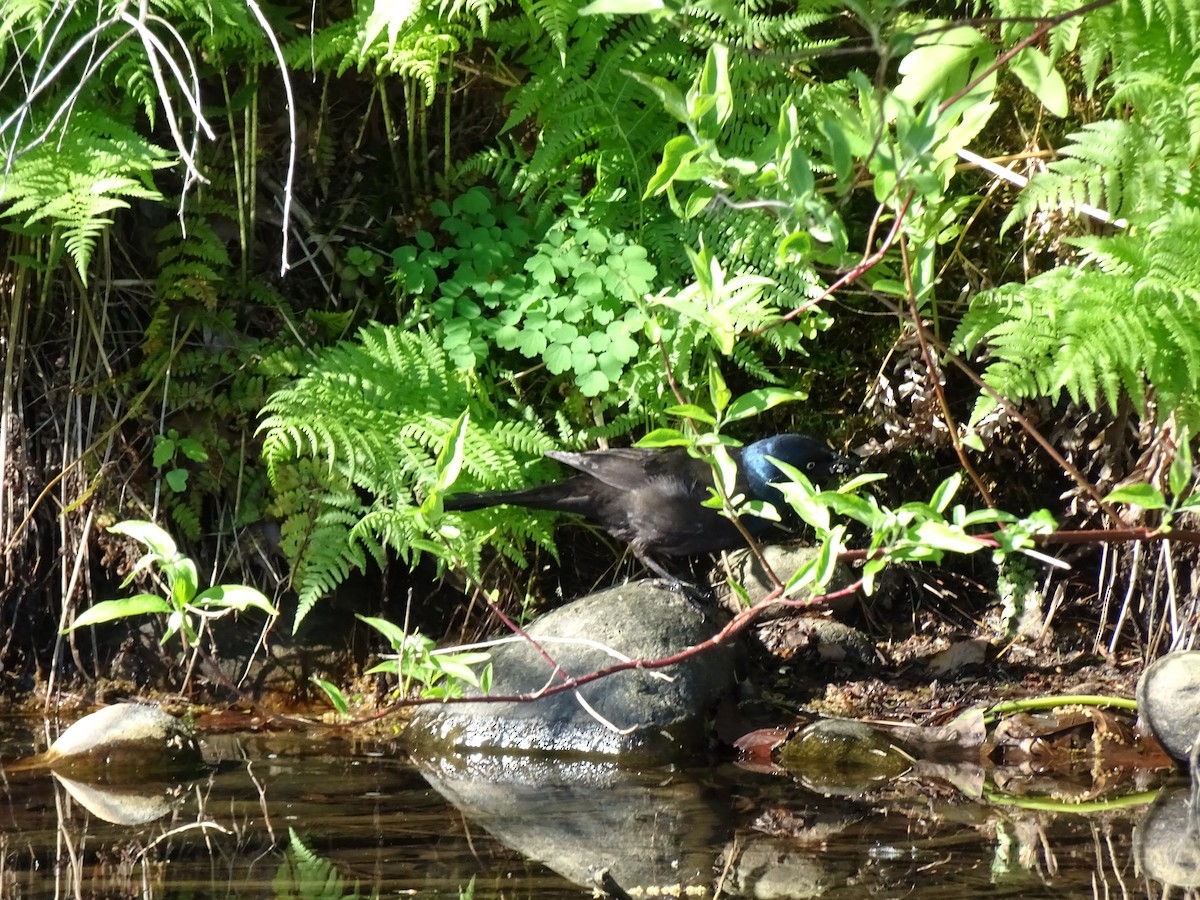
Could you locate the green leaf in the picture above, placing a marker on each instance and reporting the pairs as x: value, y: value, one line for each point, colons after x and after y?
x: 334, y: 693
x: 753, y: 403
x: 235, y: 596
x: 691, y: 411
x: 941, y: 65
x: 711, y: 100
x: 394, y: 634
x: 1180, y: 474
x: 155, y: 538
x: 677, y: 153
x: 667, y: 93
x: 622, y: 7
x: 193, y: 450
x: 164, y: 451
x: 802, y: 577
x: 664, y: 437
x: 1144, y: 495
x: 944, y: 537
x: 1038, y: 74
x: 450, y: 457
x: 593, y: 383
x: 181, y: 573
x: 177, y: 480
x: 800, y: 494
x: 860, y: 480
x: 945, y: 492
x: 725, y: 470
x: 718, y: 391
x: 109, y: 610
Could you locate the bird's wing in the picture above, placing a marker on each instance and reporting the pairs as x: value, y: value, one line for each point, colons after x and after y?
x: 623, y: 468
x: 629, y: 468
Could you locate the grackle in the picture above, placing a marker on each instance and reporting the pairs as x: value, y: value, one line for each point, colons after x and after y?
x: 651, y: 498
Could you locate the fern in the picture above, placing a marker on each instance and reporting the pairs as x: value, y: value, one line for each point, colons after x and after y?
x: 1138, y: 165
x: 71, y: 184
x: 1124, y: 320
x: 1122, y: 167
x: 369, y: 419
x: 303, y: 875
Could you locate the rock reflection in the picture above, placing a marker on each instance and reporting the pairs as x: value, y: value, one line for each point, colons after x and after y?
x: 594, y: 822
x: 1166, y: 843
x: 124, y: 805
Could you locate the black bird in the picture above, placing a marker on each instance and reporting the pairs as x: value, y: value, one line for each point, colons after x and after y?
x: 651, y: 499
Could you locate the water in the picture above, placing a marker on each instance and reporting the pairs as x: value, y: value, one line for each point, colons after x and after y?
x: 291, y: 815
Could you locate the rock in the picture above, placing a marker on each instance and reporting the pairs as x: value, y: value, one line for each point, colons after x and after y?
x: 843, y: 757
x: 124, y: 739
x: 767, y: 867
x: 1168, y: 695
x: 123, y: 806
x: 656, y: 715
x: 803, y: 637
x: 785, y: 560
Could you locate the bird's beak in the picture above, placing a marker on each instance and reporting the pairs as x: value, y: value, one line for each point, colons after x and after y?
x: 844, y: 464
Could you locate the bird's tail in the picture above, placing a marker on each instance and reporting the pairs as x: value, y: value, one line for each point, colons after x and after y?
x: 547, y: 496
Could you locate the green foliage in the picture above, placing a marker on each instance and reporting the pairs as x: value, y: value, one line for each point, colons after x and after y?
x: 184, y: 604
x: 216, y: 376
x: 440, y: 673
x: 1140, y: 163
x: 1124, y: 319
x: 382, y: 418
x: 914, y: 532
x: 414, y: 41
x: 303, y: 875
x: 569, y: 298
x: 69, y: 186
x: 1181, y: 481
x: 73, y: 137
x: 1121, y: 319
x: 168, y: 450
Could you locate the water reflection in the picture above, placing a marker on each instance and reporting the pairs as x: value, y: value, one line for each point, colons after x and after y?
x: 282, y: 815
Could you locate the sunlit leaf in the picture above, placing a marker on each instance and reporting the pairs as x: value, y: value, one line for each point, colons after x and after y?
x: 109, y: 610
x: 235, y: 596
x: 335, y: 695
x: 1144, y: 495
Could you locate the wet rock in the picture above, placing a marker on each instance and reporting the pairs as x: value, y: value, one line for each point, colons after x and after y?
x: 124, y: 740
x: 843, y: 757
x: 768, y: 867
x: 650, y: 714
x: 1168, y: 696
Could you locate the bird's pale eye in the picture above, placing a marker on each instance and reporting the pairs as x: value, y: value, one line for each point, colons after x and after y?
x: 811, y: 466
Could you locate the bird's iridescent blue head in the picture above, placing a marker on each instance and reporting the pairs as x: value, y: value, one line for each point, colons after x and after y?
x: 811, y: 457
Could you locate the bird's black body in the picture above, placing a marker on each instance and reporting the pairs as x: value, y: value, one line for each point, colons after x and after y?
x: 651, y: 499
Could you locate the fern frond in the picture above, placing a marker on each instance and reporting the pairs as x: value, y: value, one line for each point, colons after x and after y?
x: 1124, y: 321
x: 71, y: 184
x: 374, y: 415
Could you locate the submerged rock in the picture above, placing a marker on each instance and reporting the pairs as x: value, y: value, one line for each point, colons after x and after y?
x: 842, y: 757
x: 1165, y: 844
x: 650, y: 714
